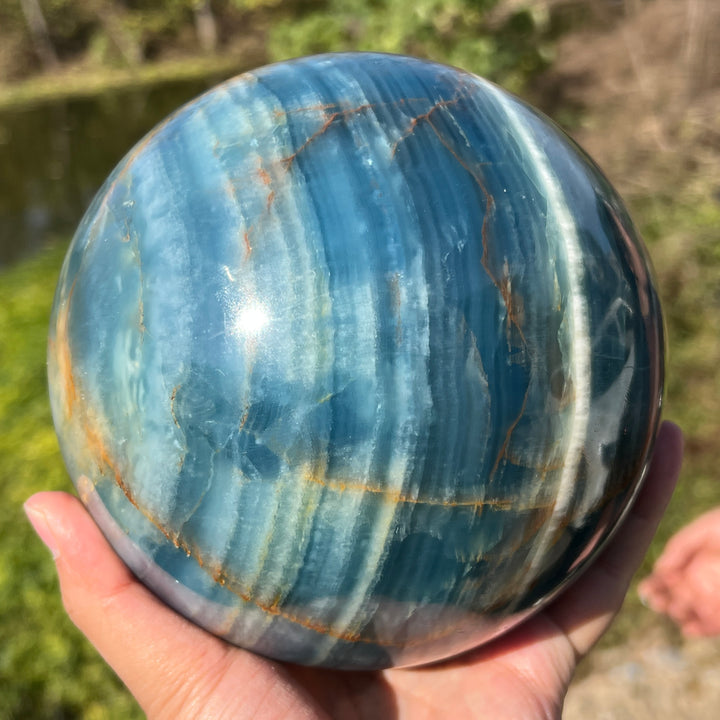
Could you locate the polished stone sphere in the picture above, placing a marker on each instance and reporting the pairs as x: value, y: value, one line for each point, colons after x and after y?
x: 356, y: 360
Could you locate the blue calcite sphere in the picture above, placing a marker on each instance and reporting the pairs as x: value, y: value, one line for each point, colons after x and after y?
x: 356, y: 360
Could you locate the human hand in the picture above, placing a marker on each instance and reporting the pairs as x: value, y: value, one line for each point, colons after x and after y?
x: 176, y: 670
x: 685, y: 582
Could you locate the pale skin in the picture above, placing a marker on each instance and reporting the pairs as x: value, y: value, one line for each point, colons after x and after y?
x: 685, y: 582
x: 176, y: 670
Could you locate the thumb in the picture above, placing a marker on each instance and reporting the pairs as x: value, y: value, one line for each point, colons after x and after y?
x: 173, y: 668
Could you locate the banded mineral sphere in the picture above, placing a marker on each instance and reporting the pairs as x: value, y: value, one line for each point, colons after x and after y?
x: 356, y: 360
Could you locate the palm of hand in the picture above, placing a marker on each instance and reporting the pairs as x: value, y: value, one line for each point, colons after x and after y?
x: 524, y: 675
x: 176, y: 670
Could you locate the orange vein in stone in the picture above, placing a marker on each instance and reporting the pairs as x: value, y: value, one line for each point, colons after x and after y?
x: 290, y: 159
x: 503, y: 290
x: 219, y: 575
x: 508, y: 434
x: 398, y: 497
x: 503, y: 287
x: 63, y: 354
x: 426, y: 117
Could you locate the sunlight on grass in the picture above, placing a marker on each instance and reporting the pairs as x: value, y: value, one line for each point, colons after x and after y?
x: 88, y: 83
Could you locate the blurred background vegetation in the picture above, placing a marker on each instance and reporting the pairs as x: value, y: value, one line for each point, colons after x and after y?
x: 637, y: 82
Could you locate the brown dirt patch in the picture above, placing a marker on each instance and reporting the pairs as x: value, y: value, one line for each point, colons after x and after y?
x: 649, y: 679
x: 646, y: 84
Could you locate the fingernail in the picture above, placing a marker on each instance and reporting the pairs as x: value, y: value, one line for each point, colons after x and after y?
x: 40, y: 523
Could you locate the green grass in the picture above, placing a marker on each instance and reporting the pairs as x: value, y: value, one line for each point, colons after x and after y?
x: 84, y: 82
x: 683, y: 233
x: 47, y: 669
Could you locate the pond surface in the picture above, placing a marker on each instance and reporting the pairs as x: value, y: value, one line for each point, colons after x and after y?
x: 55, y: 156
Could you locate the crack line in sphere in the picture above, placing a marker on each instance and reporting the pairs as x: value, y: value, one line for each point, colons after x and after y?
x: 510, y: 430
x: 562, y: 223
x: 103, y: 457
x: 219, y: 576
x: 502, y: 288
x: 398, y: 497
x: 63, y: 355
x: 290, y: 159
x: 414, y: 121
x: 230, y: 584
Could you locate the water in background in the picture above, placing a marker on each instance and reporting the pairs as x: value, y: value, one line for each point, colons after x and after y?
x: 55, y: 156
